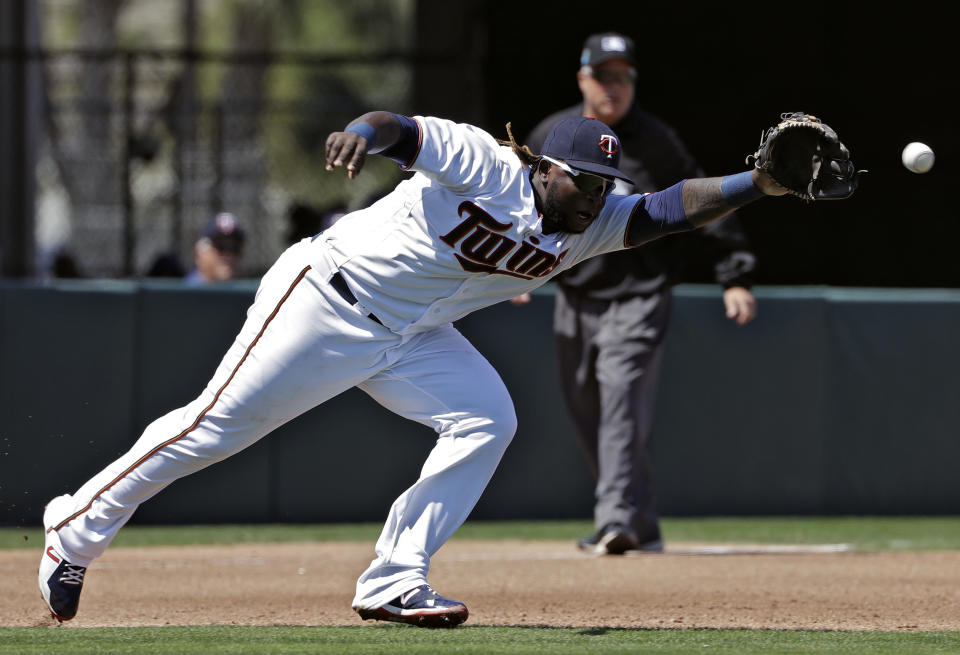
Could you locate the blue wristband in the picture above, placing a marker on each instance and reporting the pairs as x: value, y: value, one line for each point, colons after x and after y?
x: 365, y: 130
x: 739, y: 189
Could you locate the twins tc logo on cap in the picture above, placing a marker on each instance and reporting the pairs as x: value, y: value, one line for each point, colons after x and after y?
x: 609, y: 144
x: 226, y: 222
x: 586, y: 144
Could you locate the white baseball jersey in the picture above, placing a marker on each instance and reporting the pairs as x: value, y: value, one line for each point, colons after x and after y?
x: 462, y: 234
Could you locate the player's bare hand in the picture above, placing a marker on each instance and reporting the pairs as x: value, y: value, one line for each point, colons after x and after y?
x: 522, y: 299
x: 346, y: 150
x: 740, y: 304
x: 765, y: 183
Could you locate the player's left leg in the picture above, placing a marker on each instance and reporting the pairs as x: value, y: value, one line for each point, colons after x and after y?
x: 300, y: 345
x: 444, y: 383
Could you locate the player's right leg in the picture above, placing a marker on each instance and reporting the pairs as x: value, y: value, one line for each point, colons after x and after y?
x: 442, y: 382
x: 278, y: 367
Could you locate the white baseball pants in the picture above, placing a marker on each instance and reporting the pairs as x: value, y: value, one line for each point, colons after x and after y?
x: 301, y: 345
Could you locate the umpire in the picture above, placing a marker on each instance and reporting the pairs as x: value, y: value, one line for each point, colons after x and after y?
x: 612, y: 311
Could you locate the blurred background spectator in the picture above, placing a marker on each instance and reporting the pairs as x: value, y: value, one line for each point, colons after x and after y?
x: 166, y: 264
x: 64, y: 265
x: 306, y: 221
x: 218, y: 251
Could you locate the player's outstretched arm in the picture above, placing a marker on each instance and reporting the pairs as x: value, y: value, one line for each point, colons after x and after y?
x: 697, y: 202
x: 800, y: 155
x: 371, y: 133
x: 709, y: 198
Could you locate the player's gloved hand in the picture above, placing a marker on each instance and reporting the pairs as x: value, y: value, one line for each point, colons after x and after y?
x: 805, y: 156
x: 767, y: 184
x: 347, y: 149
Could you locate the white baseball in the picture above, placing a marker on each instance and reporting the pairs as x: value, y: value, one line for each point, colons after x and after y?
x: 917, y: 157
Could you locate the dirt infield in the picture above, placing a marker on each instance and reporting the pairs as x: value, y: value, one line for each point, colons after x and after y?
x: 510, y: 583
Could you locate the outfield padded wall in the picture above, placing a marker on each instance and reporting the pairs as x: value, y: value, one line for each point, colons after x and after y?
x: 834, y: 401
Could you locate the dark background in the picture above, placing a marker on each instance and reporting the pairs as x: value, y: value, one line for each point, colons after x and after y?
x: 720, y: 73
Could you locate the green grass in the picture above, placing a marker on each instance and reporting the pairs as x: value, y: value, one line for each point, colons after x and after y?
x: 862, y: 533
x: 477, y: 640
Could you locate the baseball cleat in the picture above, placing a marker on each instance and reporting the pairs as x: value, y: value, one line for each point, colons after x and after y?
x: 422, y: 607
x: 617, y: 539
x: 60, y: 583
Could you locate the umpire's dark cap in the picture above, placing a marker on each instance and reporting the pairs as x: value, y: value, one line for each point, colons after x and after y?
x: 585, y: 144
x: 224, y: 232
x: 599, y: 48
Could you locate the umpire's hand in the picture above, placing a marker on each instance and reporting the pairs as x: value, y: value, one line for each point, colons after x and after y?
x: 740, y: 305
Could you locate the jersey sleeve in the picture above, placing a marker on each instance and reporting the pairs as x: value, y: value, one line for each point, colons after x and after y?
x: 608, y: 231
x: 629, y: 221
x: 657, y: 214
x: 461, y: 157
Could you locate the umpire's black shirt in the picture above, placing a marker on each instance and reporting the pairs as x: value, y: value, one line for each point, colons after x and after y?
x: 655, y: 158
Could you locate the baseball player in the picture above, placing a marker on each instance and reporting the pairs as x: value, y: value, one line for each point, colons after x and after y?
x: 369, y: 303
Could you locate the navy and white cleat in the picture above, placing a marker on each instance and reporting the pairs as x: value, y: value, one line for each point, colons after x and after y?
x: 60, y: 583
x: 422, y: 607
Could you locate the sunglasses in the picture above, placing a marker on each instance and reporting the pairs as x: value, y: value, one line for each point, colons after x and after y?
x: 587, y: 183
x: 604, y: 76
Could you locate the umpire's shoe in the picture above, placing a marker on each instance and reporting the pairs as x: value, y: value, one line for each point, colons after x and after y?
x: 60, y: 581
x: 422, y: 607
x: 617, y: 539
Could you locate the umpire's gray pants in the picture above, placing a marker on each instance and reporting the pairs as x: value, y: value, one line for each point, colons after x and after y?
x: 608, y: 353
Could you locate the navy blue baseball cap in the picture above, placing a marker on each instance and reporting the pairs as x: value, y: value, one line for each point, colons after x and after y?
x: 224, y: 232
x: 586, y: 144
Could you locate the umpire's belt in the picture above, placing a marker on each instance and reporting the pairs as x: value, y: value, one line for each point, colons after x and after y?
x: 340, y: 286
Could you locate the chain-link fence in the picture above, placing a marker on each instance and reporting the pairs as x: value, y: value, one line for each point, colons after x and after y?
x: 142, y: 147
